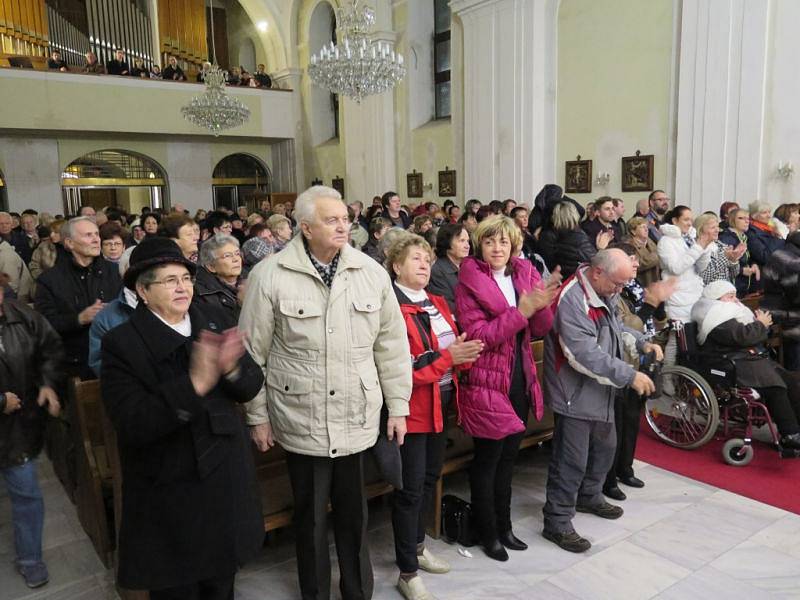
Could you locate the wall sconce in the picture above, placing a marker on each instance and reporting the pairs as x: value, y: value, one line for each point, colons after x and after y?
x: 785, y: 170
x: 602, y: 178
x: 427, y: 186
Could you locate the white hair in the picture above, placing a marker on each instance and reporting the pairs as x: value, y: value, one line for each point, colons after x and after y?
x: 759, y: 206
x: 208, y: 249
x: 609, y: 260
x: 305, y: 207
x: 68, y: 228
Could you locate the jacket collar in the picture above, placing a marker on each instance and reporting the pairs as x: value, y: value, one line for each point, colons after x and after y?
x: 208, y: 283
x: 11, y: 311
x: 160, y: 339
x: 407, y: 306
x: 591, y: 296
x: 294, y: 257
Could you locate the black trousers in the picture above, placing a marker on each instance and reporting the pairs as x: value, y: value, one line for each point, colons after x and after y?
x: 628, y: 407
x: 220, y: 588
x: 493, y: 467
x: 315, y: 480
x: 784, y: 408
x: 423, y: 454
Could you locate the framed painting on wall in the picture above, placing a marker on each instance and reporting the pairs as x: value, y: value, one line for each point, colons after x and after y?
x: 414, y: 184
x: 637, y: 173
x: 338, y: 185
x: 578, y: 176
x: 447, y: 182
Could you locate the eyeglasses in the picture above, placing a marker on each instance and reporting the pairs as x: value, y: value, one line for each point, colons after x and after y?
x: 230, y: 255
x: 171, y: 283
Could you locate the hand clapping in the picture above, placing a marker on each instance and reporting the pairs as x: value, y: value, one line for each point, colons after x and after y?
x: 214, y: 355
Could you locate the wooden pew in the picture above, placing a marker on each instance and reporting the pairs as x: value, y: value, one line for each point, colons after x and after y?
x: 94, y: 472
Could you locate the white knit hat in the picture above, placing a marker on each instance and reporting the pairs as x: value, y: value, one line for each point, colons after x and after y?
x: 717, y: 289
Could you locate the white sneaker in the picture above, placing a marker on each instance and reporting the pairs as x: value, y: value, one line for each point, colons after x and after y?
x: 431, y: 563
x: 413, y: 589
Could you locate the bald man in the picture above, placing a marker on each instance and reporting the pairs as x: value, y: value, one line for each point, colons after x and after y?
x: 584, y: 367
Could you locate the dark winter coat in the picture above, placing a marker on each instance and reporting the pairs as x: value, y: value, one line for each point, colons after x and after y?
x: 63, y: 292
x: 744, y: 345
x: 761, y: 244
x: 566, y: 249
x: 30, y: 357
x: 781, y: 277
x: 209, y: 290
x: 190, y: 500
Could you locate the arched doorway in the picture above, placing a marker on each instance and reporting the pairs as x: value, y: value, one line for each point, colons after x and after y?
x: 240, y: 179
x: 3, y: 196
x: 114, y: 178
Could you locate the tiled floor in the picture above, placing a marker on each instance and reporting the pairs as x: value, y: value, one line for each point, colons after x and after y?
x: 678, y: 539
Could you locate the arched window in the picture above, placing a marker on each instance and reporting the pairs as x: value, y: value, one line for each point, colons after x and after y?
x: 441, y: 57
x: 240, y: 179
x: 114, y: 178
x: 324, y: 105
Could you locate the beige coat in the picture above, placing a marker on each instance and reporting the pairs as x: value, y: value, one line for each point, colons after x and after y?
x: 20, y: 279
x: 330, y: 357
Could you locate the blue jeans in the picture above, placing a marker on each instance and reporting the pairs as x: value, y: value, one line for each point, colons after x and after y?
x: 27, y: 511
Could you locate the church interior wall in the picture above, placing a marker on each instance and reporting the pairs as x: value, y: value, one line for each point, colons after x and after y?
x: 613, y: 94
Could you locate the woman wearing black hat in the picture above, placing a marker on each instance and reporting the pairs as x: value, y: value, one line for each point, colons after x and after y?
x: 170, y: 380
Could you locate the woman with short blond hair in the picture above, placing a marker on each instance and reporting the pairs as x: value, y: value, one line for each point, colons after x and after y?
x: 501, y: 301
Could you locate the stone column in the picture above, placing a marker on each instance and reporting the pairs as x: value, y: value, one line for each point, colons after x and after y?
x: 509, y: 97
x: 289, y: 78
x: 721, y: 91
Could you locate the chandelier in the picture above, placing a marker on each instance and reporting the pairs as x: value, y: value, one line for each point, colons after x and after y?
x: 357, y: 66
x: 214, y: 109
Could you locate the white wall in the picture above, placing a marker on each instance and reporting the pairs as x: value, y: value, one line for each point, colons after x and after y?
x: 782, y: 119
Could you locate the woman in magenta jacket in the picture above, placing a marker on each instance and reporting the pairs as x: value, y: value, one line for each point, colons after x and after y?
x: 502, y: 301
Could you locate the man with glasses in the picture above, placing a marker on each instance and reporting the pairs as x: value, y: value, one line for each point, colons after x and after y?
x: 584, y: 368
x: 659, y: 205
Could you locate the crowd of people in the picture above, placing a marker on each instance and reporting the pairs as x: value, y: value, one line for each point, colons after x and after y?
x: 335, y: 324
x: 119, y: 65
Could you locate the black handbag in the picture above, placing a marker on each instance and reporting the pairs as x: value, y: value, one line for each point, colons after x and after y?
x: 457, y: 521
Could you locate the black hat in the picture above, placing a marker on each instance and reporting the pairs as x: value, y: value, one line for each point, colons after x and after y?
x: 151, y: 252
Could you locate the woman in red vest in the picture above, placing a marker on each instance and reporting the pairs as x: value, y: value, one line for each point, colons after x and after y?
x: 437, y: 353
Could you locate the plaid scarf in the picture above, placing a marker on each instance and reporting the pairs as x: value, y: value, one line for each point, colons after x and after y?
x: 325, y: 271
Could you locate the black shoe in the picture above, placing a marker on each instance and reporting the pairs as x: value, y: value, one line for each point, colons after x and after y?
x: 632, y: 481
x: 512, y: 542
x: 495, y: 550
x: 604, y: 510
x: 791, y: 441
x: 571, y: 542
x: 614, y: 493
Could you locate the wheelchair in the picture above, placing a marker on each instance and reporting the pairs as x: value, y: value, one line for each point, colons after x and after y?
x: 698, y: 394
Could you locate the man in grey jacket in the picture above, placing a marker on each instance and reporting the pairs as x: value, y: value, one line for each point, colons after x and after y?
x: 584, y: 368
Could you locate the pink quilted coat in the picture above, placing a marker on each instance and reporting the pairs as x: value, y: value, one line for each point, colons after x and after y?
x: 483, y: 313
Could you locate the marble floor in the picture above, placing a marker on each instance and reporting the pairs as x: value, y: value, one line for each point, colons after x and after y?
x: 678, y: 539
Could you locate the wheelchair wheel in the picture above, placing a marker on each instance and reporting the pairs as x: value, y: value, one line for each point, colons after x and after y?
x: 735, y: 452
x: 686, y: 414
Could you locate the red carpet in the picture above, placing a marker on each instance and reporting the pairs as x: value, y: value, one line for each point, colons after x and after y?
x: 768, y: 478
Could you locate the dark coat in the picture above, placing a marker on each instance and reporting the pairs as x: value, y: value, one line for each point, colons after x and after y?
x: 63, y: 292
x: 566, y: 249
x: 191, y: 507
x: 209, y: 290
x: 118, y: 67
x: 444, y: 279
x: 781, y: 278
x: 173, y: 73
x: 744, y: 345
x: 31, y: 357
x: 593, y: 229
x: 745, y: 284
x: 761, y: 244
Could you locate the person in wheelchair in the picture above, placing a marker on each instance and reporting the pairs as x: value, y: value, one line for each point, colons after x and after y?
x: 728, y: 329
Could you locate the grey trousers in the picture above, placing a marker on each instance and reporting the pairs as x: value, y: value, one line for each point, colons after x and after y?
x: 583, y: 452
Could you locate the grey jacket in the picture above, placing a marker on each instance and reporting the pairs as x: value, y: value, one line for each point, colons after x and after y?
x: 583, y: 357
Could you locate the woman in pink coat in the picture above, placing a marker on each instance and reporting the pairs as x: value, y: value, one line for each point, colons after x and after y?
x: 502, y: 301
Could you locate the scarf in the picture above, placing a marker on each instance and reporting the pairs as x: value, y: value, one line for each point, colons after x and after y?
x: 770, y: 229
x: 712, y: 313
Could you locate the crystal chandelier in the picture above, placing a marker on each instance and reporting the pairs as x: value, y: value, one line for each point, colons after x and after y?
x: 357, y: 66
x: 214, y: 109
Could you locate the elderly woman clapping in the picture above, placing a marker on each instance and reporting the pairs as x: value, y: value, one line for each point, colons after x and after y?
x: 437, y: 353
x: 217, y: 282
x: 171, y: 380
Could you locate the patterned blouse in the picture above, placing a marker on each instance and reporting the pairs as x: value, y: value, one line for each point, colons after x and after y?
x: 720, y: 268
